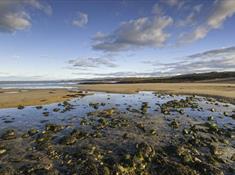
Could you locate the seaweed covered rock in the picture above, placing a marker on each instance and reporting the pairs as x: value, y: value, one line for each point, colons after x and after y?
x: 53, y: 127
x: 9, y: 134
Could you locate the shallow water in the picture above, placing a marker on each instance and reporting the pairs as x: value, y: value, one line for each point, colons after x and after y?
x: 31, y: 117
x: 37, y: 85
x: 138, y: 133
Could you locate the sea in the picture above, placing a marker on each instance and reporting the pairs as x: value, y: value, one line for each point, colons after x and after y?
x: 38, y: 84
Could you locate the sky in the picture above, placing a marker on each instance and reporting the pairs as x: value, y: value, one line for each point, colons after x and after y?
x: 79, y: 39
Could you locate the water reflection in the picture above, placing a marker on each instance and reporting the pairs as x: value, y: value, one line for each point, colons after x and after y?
x: 127, y: 103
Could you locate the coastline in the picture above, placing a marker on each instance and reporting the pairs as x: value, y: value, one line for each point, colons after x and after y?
x: 11, y: 98
x: 222, y: 91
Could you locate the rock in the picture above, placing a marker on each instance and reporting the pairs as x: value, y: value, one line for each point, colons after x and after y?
x: 174, y: 124
x: 20, y: 107
x: 144, y: 107
x: 210, y: 118
x: 215, y: 150
x: 2, y: 151
x: 6, y: 170
x: 25, y: 135
x: 233, y: 116
x: 9, y: 134
x: 68, y: 140
x: 225, y: 114
x: 145, y: 150
x: 109, y: 112
x: 56, y: 109
x: 125, y: 136
x: 153, y: 132
x: 46, y: 114
x: 84, y: 122
x: 32, y: 131
x: 53, y: 127
x: 233, y: 157
x: 94, y: 105
x: 213, y: 127
x: 140, y: 126
x: 105, y: 170
x: 185, y: 131
x: 88, y: 167
x: 38, y: 107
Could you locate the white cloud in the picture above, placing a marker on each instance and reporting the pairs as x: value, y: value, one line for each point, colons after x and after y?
x: 223, y: 9
x: 192, y: 17
x: 3, y: 73
x: 13, y: 15
x: 121, y: 74
x: 81, y: 20
x: 91, y: 62
x: 146, y: 31
x: 46, y: 8
x: 174, y: 3
x: 15, y: 21
x: 171, y: 2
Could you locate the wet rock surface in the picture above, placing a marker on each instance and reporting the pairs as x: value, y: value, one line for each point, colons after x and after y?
x: 161, y: 134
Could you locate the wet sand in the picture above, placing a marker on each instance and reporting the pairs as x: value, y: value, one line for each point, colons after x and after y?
x: 225, y: 90
x: 15, y: 97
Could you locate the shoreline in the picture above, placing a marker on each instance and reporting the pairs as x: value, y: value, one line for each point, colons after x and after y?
x: 222, y: 92
x: 12, y: 98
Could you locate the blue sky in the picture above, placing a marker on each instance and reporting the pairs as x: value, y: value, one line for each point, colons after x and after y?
x: 61, y: 39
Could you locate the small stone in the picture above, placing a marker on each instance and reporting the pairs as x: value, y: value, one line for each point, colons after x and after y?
x: 32, y: 132
x: 38, y: 107
x: 233, y: 116
x: 125, y: 136
x: 212, y: 109
x: 213, y: 127
x: 68, y: 140
x: 185, y: 131
x: 2, y: 151
x: 233, y: 157
x: 20, y: 107
x: 210, y: 118
x: 215, y: 150
x: 46, y: 114
x: 174, y: 124
x: 141, y: 126
x: 53, y: 127
x: 153, y: 132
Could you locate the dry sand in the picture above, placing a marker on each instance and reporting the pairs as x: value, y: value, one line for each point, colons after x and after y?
x: 13, y: 97
x: 225, y: 90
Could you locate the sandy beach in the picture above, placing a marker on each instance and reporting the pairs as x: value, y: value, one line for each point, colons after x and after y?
x: 226, y: 90
x: 13, y: 97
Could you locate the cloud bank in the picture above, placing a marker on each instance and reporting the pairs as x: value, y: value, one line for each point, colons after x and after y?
x: 214, y: 60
